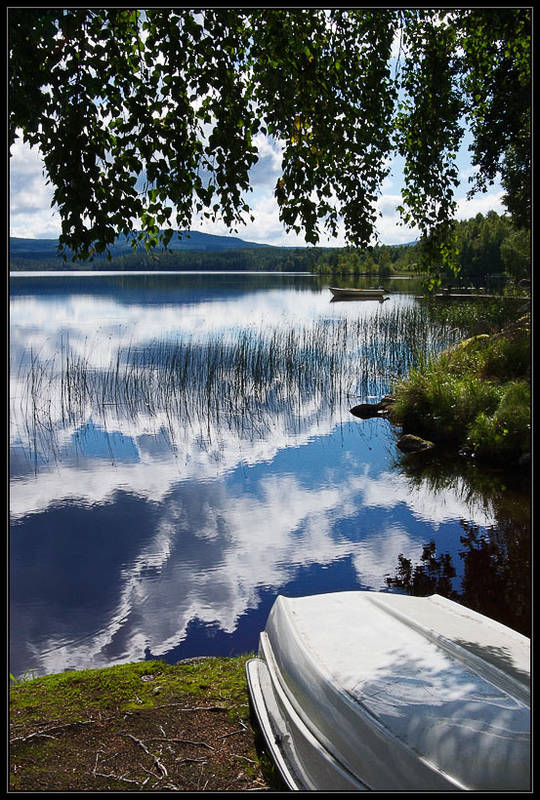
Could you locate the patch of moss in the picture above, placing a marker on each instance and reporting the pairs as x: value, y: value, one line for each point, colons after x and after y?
x: 144, y: 684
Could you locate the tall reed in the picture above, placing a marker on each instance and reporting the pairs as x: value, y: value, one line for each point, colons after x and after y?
x: 240, y: 381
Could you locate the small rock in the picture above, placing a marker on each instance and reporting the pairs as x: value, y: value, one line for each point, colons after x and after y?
x: 408, y: 443
x: 366, y: 410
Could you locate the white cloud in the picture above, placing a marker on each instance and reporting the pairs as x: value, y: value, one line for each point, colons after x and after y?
x: 480, y: 204
x: 389, y: 226
x: 31, y: 215
x: 270, y: 153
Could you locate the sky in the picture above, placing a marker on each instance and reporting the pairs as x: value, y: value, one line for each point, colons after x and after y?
x: 31, y: 215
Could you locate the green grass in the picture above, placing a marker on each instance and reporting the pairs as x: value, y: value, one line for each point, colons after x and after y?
x: 68, y: 694
x: 476, y: 394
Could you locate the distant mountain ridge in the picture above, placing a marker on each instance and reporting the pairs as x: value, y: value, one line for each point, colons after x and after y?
x: 191, y: 240
x: 194, y: 251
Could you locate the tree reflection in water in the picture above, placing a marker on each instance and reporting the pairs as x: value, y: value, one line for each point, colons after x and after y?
x: 432, y: 576
x: 497, y: 573
x: 496, y: 559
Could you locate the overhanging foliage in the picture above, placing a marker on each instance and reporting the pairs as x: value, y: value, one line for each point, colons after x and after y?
x: 148, y: 118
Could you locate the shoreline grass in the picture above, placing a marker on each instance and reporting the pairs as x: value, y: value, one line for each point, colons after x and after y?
x: 474, y: 395
x: 127, y: 687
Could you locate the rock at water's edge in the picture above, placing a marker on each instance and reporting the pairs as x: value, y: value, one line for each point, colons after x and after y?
x: 367, y: 410
x: 408, y: 443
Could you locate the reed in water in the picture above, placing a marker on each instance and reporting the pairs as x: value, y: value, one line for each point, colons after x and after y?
x: 239, y: 380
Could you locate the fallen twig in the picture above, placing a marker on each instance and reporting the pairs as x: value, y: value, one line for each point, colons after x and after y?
x: 56, y: 727
x: 111, y: 776
x: 156, y: 760
x: 195, y: 708
x: 244, y: 758
x: 36, y: 734
x: 179, y: 741
x: 233, y: 733
x: 151, y: 774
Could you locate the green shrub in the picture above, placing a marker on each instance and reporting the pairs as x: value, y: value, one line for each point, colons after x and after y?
x: 458, y: 401
x: 505, y: 434
x: 476, y: 392
x: 508, y: 358
x: 438, y: 403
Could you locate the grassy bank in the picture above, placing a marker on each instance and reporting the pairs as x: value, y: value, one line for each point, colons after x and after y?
x: 144, y: 726
x: 474, y: 396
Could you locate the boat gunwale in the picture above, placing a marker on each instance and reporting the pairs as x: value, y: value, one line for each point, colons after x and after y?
x: 376, y: 726
x: 353, y: 292
x: 283, y: 698
x: 468, y: 659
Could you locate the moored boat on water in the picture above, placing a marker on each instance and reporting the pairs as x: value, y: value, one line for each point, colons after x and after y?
x: 357, y: 293
x: 375, y: 690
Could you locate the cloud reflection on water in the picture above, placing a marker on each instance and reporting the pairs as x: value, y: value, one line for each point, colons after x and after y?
x: 127, y: 528
x: 208, y: 548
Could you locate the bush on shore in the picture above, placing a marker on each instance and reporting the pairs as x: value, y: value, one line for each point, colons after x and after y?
x: 505, y: 434
x: 474, y: 395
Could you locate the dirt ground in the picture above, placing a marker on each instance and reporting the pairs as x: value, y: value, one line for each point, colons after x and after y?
x: 178, y: 747
x: 187, y: 743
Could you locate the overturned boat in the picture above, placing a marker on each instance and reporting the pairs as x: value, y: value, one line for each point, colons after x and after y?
x: 374, y: 690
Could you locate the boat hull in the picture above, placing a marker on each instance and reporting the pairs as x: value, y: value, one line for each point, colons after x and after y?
x: 359, y: 294
x: 366, y: 690
x: 303, y: 762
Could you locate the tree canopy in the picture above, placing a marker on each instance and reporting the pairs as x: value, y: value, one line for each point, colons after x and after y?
x: 146, y: 118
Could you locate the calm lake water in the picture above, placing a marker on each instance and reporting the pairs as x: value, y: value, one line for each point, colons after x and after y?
x: 182, y: 451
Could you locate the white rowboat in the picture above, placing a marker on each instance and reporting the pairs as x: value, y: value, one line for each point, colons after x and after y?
x: 381, y: 691
x: 358, y: 293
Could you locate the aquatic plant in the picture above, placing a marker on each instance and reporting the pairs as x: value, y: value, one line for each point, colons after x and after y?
x: 240, y: 380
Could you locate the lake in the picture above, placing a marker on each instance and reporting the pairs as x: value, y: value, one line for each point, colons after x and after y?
x: 182, y: 451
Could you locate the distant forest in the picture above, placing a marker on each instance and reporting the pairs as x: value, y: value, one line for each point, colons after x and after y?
x: 257, y: 259
x: 486, y: 246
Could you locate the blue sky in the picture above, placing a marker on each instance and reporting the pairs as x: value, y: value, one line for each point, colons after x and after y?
x: 31, y: 215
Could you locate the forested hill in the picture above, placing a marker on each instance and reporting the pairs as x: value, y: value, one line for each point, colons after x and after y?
x: 193, y: 251
x: 486, y: 245
x: 188, y: 240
